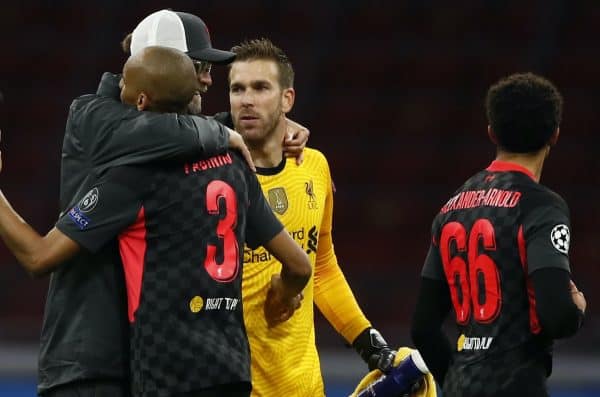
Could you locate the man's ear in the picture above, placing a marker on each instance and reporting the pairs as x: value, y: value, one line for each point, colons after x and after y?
x: 143, y: 101
x: 492, y: 135
x: 288, y: 96
x: 554, y: 137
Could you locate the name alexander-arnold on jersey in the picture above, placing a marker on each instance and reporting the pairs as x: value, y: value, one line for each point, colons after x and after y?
x: 482, y: 198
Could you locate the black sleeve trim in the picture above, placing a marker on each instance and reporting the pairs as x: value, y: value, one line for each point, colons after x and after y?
x: 433, y: 305
x: 558, y: 315
x: 272, y: 170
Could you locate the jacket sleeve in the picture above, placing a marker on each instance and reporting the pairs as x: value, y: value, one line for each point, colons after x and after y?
x: 224, y: 118
x: 115, y: 134
x: 332, y: 294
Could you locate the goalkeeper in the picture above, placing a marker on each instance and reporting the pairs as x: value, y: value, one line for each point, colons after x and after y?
x: 284, y: 356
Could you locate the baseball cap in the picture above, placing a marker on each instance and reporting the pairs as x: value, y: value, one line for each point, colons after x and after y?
x: 179, y: 30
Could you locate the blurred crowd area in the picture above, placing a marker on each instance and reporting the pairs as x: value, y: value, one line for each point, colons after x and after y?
x: 392, y: 92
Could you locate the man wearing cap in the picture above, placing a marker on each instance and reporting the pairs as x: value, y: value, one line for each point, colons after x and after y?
x: 185, y: 32
x: 84, y: 339
x: 188, y: 33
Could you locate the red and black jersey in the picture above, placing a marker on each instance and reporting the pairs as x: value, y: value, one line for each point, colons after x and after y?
x: 181, y: 232
x: 489, y: 237
x: 85, y: 332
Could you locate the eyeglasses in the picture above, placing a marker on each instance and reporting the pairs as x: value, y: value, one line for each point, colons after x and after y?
x: 202, y: 66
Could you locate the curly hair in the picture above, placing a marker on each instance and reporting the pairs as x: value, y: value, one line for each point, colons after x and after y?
x: 524, y: 110
x: 264, y: 49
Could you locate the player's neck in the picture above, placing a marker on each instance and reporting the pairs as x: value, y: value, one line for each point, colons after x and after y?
x: 533, y: 162
x: 267, y: 153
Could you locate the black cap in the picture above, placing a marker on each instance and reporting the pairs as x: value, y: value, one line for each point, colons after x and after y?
x: 198, y: 41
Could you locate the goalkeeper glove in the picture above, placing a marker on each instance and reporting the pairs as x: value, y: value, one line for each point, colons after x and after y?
x: 403, y: 380
x: 374, y: 350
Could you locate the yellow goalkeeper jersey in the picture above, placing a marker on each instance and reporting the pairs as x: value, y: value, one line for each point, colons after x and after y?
x: 284, y: 358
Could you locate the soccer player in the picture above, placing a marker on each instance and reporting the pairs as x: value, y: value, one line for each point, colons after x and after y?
x: 261, y: 93
x: 499, y: 256
x: 181, y: 230
x: 84, y: 340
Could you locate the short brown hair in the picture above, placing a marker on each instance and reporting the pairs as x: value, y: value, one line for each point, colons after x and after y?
x: 126, y: 43
x: 524, y: 110
x: 264, y: 49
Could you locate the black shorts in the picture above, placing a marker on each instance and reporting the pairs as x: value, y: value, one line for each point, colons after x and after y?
x: 90, y: 388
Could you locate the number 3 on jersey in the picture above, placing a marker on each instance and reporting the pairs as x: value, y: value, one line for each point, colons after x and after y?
x: 474, y: 284
x: 227, y: 270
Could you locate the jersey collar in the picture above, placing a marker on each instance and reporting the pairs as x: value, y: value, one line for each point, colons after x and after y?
x: 507, y: 166
x: 272, y: 170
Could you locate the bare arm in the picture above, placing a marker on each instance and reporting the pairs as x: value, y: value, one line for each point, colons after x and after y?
x: 296, y: 269
x: 285, y: 294
x: 37, y: 254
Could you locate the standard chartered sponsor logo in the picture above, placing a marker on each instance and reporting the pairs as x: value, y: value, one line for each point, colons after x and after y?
x: 255, y: 256
x: 313, y: 239
x: 299, y: 235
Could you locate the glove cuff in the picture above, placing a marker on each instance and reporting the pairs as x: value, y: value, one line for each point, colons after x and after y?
x: 369, y: 342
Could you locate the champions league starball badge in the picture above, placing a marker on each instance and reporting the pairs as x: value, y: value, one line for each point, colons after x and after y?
x: 561, y: 238
x: 89, y: 201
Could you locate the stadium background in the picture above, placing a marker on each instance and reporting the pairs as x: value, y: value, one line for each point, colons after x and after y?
x: 392, y: 92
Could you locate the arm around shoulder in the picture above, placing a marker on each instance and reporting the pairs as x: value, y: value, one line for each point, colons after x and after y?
x: 113, y: 134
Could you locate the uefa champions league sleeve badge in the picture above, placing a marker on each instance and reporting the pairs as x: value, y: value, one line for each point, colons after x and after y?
x: 560, y: 237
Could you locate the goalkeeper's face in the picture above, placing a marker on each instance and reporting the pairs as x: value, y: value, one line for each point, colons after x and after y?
x: 258, y: 103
